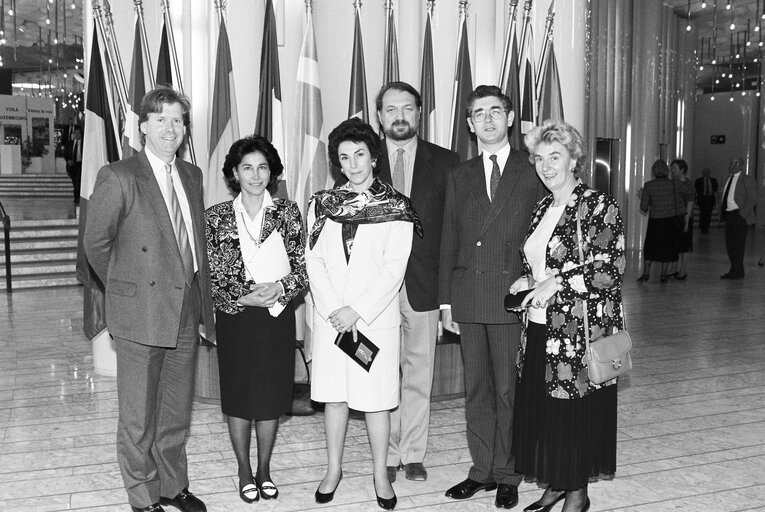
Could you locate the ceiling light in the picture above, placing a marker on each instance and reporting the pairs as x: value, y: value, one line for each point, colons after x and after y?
x: 732, y: 26
x: 701, y: 68
x: 731, y: 98
x: 712, y: 98
x: 703, y: 5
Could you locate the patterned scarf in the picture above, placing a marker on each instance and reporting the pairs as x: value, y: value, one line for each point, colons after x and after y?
x: 379, y: 203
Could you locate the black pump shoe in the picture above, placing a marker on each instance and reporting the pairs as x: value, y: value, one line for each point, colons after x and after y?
x: 538, y: 507
x: 386, y: 503
x: 643, y: 278
x: 322, y: 497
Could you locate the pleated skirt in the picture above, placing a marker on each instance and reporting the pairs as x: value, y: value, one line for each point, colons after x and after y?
x: 256, y: 360
x: 561, y: 443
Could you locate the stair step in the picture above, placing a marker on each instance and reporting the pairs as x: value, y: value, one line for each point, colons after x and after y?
x: 52, y: 232
x: 41, y: 267
x: 18, y: 257
x: 40, y: 244
x: 41, y: 281
x: 44, y: 222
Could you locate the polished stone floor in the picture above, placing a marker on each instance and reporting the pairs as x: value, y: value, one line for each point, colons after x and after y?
x: 691, y: 414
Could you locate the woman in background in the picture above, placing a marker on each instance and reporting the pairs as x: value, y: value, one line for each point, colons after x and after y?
x: 255, y: 246
x: 657, y: 199
x: 564, y: 428
x: 360, y: 236
x: 685, y: 195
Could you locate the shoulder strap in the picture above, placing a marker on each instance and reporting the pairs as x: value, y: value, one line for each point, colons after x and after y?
x: 581, y: 259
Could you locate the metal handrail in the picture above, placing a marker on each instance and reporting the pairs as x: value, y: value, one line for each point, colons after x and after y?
x: 7, y: 243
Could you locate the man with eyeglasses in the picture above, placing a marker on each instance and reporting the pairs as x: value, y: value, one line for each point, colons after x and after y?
x: 489, y: 201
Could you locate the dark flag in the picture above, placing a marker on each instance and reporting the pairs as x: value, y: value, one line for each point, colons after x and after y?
x: 462, y: 142
x: 357, y: 101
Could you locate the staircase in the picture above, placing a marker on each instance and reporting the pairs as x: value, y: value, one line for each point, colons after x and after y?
x: 43, y: 251
x: 35, y: 185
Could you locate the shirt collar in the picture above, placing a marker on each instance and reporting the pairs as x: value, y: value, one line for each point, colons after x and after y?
x: 502, y: 155
x: 409, y: 148
x: 239, y: 207
x: 157, y: 164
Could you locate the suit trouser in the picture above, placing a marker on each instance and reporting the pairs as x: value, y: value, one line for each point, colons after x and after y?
x: 75, y: 174
x: 706, y: 205
x: 735, y: 241
x: 155, y: 388
x: 489, y: 353
x: 410, y: 421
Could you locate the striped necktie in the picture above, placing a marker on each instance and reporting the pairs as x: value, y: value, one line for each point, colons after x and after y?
x: 179, y: 226
x: 494, y: 178
x: 399, y: 180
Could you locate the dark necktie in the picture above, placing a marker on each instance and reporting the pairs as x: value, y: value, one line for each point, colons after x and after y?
x: 179, y: 226
x: 494, y: 179
x: 399, y: 179
x: 725, y: 195
x: 707, y: 189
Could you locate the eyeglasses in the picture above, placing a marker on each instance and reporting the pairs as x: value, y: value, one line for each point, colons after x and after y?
x: 495, y: 113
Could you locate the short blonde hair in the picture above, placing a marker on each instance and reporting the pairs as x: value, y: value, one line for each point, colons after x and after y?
x: 558, y: 131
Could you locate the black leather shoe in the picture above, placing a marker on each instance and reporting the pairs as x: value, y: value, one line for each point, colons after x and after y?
x: 507, y: 496
x: 538, y: 507
x: 730, y: 276
x: 151, y: 508
x: 185, y: 501
x: 326, y: 497
x: 416, y: 471
x: 467, y: 488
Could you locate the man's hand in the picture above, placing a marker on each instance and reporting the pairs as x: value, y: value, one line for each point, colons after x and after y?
x: 446, y: 321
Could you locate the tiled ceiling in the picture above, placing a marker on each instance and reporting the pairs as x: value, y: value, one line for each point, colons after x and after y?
x: 42, y: 41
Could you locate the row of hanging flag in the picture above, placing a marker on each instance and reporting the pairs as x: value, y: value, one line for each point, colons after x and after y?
x: 111, y: 127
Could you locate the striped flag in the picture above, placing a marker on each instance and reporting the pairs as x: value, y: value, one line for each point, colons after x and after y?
x: 462, y: 142
x: 550, y: 100
x: 390, y: 60
x: 357, y: 101
x: 269, y: 123
x: 100, y: 146
x: 427, y: 129
x: 224, y: 127
x: 131, y: 141
x: 528, y: 106
x: 511, y: 88
x: 309, y: 170
x: 164, y: 62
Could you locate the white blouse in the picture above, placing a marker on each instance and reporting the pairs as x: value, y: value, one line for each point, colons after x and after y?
x: 535, y: 249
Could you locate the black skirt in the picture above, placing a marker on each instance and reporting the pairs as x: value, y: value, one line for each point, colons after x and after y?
x: 256, y: 359
x: 661, y: 240
x: 561, y: 443
x: 685, y: 238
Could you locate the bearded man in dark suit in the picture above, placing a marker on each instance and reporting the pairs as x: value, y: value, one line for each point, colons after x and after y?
x: 144, y: 237
x: 489, y: 201
x: 417, y: 169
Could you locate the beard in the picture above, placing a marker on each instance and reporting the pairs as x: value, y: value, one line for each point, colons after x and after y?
x: 400, y: 130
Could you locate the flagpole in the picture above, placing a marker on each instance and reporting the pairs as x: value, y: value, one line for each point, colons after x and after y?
x: 139, y: 11
x: 503, y: 77
x: 455, y: 107
x: 115, y: 64
x: 526, y: 22
x: 176, y: 67
x: 546, y: 41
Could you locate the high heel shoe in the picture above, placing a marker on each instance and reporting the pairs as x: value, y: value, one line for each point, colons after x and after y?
x: 386, y: 503
x: 643, y: 278
x: 326, y: 497
x: 663, y: 278
x: 538, y: 507
x: 681, y: 277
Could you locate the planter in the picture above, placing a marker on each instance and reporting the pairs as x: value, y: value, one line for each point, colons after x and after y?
x: 35, y: 167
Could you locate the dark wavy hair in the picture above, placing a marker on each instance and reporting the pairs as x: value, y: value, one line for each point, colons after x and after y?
x: 485, y: 91
x: 398, y: 86
x: 681, y: 164
x: 660, y: 169
x: 354, y: 130
x: 242, y: 148
x: 154, y: 100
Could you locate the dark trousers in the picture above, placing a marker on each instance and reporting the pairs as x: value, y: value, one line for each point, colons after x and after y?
x: 735, y: 242
x: 706, y: 205
x: 489, y: 354
x: 155, y: 388
x: 75, y: 174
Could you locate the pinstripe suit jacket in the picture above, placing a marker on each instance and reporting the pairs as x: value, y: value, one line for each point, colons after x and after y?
x: 481, y: 239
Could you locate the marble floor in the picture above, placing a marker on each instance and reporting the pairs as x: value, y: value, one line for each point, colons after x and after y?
x: 691, y: 414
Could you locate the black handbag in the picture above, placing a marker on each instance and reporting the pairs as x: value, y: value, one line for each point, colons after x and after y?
x: 363, y: 351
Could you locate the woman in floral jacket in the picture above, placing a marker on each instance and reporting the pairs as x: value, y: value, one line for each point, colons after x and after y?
x: 255, y: 246
x: 565, y: 426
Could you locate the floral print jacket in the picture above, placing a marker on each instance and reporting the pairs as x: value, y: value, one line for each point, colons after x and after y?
x: 226, y: 264
x: 598, y: 280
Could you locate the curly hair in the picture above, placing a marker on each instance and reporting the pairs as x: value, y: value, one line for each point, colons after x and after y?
x: 558, y: 131
x: 242, y: 148
x: 354, y: 130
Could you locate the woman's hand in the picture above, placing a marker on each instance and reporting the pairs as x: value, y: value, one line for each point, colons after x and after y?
x: 542, y: 293
x: 262, y: 295
x: 343, y: 319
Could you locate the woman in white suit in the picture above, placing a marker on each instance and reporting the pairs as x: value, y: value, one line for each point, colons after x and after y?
x: 360, y: 236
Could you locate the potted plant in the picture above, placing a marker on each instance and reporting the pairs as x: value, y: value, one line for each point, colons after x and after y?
x: 31, y: 153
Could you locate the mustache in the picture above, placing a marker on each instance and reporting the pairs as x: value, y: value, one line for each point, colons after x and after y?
x: 401, y: 122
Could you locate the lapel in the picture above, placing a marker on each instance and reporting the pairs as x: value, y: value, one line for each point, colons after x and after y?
x: 270, y: 214
x: 196, y: 208
x: 477, y: 183
x: 149, y: 187
x: 421, y: 169
x: 507, y: 182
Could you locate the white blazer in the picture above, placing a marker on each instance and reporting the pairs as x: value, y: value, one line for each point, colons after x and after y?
x: 372, y: 278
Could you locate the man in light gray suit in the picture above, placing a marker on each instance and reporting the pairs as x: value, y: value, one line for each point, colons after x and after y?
x: 145, y: 240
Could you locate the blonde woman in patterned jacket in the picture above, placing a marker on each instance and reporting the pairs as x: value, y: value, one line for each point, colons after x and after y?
x: 564, y: 433
x: 252, y: 294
